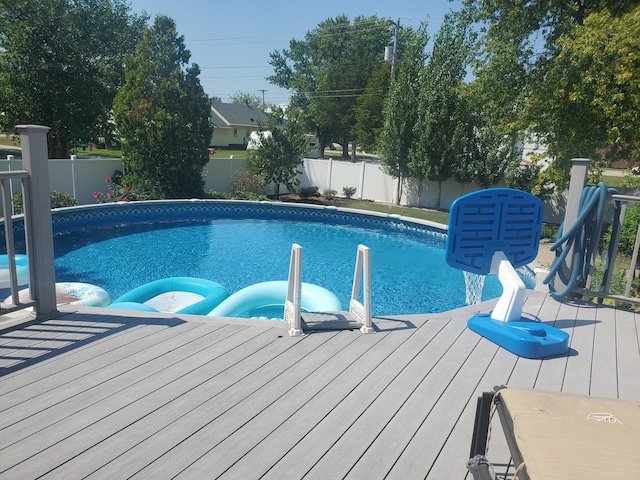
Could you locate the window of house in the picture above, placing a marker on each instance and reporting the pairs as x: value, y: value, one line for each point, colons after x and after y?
x: 235, y: 132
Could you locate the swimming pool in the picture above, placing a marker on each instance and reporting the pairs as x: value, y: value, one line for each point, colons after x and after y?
x: 237, y: 244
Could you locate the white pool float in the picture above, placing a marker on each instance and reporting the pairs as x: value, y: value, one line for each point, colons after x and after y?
x: 72, y: 293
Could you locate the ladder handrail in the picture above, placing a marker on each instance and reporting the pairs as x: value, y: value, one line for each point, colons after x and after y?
x: 292, y: 304
x: 362, y: 275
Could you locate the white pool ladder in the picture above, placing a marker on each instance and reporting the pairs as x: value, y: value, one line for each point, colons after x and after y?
x: 292, y: 308
x: 362, y: 277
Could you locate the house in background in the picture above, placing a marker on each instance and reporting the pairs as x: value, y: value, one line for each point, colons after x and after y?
x: 233, y: 124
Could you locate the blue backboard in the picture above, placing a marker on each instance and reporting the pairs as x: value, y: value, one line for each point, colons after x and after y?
x: 497, y: 219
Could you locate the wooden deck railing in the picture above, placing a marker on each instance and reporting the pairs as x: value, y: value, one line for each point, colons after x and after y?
x: 578, y: 183
x: 37, y: 224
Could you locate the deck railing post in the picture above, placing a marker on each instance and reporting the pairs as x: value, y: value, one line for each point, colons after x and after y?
x: 35, y: 160
x: 579, y: 175
x: 10, y: 162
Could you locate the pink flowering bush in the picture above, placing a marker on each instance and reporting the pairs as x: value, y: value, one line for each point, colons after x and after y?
x: 115, y: 192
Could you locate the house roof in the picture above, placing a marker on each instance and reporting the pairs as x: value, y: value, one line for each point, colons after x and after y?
x: 224, y: 115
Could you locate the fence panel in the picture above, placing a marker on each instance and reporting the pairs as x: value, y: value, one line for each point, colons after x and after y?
x: 344, y: 174
x: 83, y: 177
x: 90, y: 177
x: 219, y: 172
x: 315, y: 172
x: 377, y: 185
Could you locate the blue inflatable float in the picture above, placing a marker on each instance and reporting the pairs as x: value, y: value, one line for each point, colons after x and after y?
x: 22, y: 270
x: 266, y: 298
x: 184, y: 295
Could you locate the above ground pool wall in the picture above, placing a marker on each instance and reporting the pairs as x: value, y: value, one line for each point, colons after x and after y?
x: 109, y: 215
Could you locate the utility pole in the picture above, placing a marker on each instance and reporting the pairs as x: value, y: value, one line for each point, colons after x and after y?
x: 394, y: 60
x: 262, y: 90
x: 394, y: 54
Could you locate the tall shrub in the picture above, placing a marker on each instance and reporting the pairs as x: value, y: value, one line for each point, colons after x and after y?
x: 162, y: 114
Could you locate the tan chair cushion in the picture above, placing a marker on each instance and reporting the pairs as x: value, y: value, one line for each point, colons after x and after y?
x: 563, y: 436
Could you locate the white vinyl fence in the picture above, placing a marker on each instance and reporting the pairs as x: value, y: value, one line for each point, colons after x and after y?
x: 81, y: 177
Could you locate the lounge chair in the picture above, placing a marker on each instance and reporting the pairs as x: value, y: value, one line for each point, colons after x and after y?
x: 559, y: 436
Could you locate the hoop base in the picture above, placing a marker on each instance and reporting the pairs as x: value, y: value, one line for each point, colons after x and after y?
x: 525, y: 338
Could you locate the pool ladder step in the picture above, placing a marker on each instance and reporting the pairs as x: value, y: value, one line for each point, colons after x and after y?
x: 330, y: 321
x: 359, y: 314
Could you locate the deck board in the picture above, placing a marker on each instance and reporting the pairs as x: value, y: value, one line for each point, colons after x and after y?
x: 578, y: 371
x: 604, y: 372
x: 304, y: 437
x: 134, y: 383
x: 99, y: 394
x: 381, y: 408
x: 627, y: 354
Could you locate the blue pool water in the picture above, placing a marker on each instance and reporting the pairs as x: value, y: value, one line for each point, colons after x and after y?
x: 408, y: 268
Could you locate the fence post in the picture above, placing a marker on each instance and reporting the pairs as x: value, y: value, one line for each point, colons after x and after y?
x: 579, y: 175
x: 364, y: 165
x: 42, y: 278
x: 74, y: 177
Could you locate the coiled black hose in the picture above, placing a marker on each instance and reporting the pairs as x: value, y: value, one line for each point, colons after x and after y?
x: 583, y: 236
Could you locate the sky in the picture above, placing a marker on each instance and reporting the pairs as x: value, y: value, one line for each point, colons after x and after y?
x: 231, y: 41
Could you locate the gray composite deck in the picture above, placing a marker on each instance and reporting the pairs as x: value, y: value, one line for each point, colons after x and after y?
x: 98, y: 394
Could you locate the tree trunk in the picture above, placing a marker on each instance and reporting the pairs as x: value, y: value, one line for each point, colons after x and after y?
x: 57, y: 146
x: 420, y: 190
x: 439, y: 199
x: 345, y: 148
x: 322, y: 140
x: 353, y: 152
x: 399, y: 189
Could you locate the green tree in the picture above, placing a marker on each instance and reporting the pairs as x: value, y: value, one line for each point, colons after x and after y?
x: 441, y: 116
x: 282, y: 148
x: 565, y: 71
x: 593, y: 94
x: 481, y: 154
x: 163, y: 114
x: 466, y: 142
x: 400, y: 109
x: 369, y: 108
x: 329, y: 70
x: 496, y: 153
x: 61, y: 65
x: 252, y: 99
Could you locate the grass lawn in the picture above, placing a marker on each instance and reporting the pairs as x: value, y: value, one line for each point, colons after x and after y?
x: 420, y: 213
x: 411, y: 212
x: 611, y: 181
x: 222, y: 153
x: 96, y: 152
x: 9, y: 142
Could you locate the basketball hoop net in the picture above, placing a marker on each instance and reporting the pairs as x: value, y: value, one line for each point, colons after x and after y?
x: 473, y: 284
